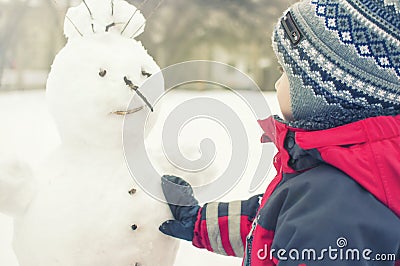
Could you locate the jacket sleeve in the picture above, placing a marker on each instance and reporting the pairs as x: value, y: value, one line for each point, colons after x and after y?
x: 222, y: 227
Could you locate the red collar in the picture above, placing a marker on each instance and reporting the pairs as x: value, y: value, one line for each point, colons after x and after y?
x: 276, y: 132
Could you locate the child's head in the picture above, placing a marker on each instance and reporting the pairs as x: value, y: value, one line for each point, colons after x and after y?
x: 341, y: 60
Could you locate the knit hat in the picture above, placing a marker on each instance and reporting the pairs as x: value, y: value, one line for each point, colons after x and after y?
x: 342, y: 59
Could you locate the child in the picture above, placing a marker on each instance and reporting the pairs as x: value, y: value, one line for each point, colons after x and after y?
x: 335, y: 199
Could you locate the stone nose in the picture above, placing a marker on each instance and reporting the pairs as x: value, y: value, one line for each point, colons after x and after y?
x: 135, y: 88
x: 130, y: 84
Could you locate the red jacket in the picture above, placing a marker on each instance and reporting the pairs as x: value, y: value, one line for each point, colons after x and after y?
x: 335, y: 200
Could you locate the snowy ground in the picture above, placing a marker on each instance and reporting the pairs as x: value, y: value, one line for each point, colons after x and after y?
x: 27, y: 132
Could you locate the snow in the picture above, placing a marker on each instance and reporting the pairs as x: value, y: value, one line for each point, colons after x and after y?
x: 29, y: 133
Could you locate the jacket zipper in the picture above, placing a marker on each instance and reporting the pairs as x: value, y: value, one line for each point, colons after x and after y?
x: 249, y: 240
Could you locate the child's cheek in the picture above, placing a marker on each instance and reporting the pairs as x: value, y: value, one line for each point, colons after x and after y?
x: 283, y: 95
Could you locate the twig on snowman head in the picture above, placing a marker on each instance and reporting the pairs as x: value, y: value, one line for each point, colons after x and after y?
x: 112, y: 8
x: 110, y: 26
x: 136, y: 89
x: 113, y: 24
x: 73, y: 24
x: 90, y: 13
x: 129, y: 21
x: 151, y: 14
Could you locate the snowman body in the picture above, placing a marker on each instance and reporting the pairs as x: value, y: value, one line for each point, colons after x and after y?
x: 83, y: 215
x: 87, y: 209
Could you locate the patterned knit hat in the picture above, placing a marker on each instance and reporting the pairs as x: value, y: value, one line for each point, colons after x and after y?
x: 342, y: 59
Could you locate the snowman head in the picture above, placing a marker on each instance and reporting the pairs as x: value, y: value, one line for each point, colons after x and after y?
x: 95, y: 79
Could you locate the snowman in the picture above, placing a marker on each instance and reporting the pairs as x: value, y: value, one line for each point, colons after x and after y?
x: 84, y: 208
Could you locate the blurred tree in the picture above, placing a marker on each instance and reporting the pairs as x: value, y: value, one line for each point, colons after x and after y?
x: 11, y: 18
x: 31, y: 34
x: 236, y: 32
x: 185, y: 30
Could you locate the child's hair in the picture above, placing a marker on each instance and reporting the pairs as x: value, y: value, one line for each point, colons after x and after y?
x: 342, y: 58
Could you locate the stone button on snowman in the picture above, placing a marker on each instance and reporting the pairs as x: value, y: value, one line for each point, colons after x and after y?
x: 86, y: 210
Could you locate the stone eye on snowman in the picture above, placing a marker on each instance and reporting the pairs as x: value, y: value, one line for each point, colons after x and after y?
x: 80, y: 213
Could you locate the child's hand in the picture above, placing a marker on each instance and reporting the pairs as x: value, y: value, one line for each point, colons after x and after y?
x: 183, y: 205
